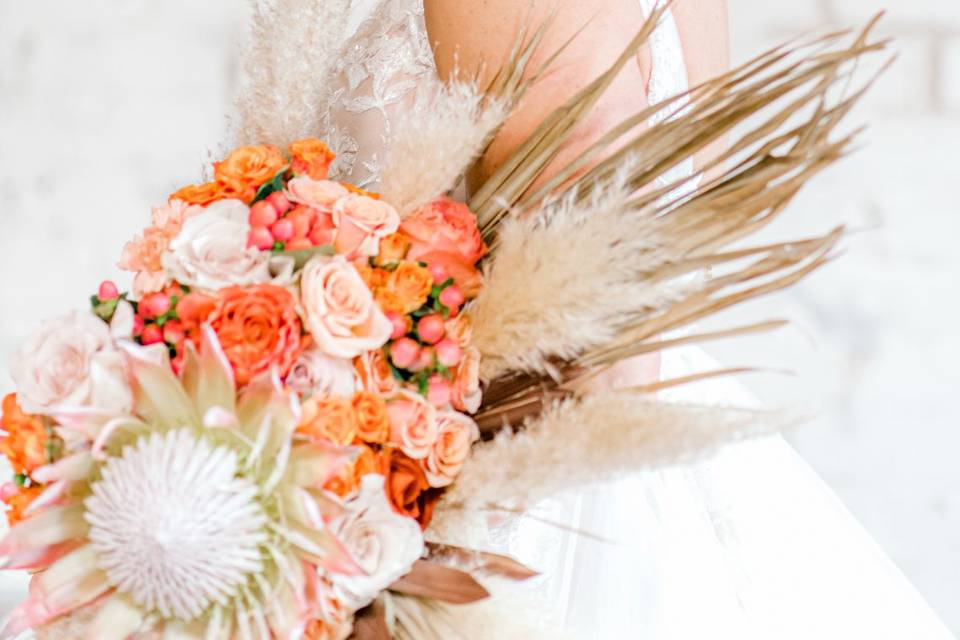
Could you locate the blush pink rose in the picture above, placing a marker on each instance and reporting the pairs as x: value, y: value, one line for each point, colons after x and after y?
x: 413, y: 424
x: 467, y: 393
x: 455, y: 433
x: 444, y: 225
x: 341, y: 313
x: 361, y: 223
x: 319, y: 194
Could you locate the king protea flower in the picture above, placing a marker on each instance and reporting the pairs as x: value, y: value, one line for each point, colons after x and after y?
x: 201, y: 515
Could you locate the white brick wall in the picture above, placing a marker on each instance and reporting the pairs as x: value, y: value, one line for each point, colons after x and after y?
x: 105, y: 106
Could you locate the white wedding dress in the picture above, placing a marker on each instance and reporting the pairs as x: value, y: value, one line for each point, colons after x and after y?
x: 750, y: 544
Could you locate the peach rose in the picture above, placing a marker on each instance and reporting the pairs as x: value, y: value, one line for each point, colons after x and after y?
x: 201, y: 194
x: 341, y: 313
x: 247, y: 168
x: 25, y: 444
x: 258, y: 328
x: 467, y: 393
x: 319, y: 194
x: 393, y: 248
x: 329, y: 417
x: 346, y: 482
x: 374, y: 373
x: 455, y: 433
x: 361, y: 222
x: 460, y: 330
x: 413, y: 424
x: 373, y: 423
x: 311, y: 157
x: 411, y: 284
x: 445, y: 225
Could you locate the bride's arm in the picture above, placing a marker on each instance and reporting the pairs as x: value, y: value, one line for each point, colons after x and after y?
x: 479, y: 34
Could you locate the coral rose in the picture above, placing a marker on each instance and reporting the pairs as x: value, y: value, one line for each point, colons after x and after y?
x: 25, y: 444
x: 373, y: 423
x: 413, y: 424
x: 201, y: 194
x: 411, y: 284
x: 247, y: 168
x: 319, y: 194
x: 341, y: 313
x: 329, y: 417
x: 258, y: 328
x: 444, y: 225
x: 374, y: 374
x: 361, y: 222
x: 311, y: 157
x: 455, y: 433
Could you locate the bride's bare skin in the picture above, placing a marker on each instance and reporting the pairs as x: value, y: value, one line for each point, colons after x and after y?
x: 476, y: 35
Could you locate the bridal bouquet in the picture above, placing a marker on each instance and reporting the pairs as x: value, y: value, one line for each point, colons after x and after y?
x: 304, y: 414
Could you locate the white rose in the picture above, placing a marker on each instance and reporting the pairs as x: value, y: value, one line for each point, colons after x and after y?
x: 383, y: 543
x: 317, y: 373
x: 341, y: 313
x: 211, y: 251
x: 71, y: 362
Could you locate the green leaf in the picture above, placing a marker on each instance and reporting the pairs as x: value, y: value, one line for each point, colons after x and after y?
x: 302, y: 257
x: 20, y: 479
x: 275, y: 184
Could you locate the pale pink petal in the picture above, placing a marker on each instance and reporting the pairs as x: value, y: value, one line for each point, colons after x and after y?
x: 50, y: 527
x: 76, y: 466
x: 158, y: 394
x: 208, y: 376
x: 40, y: 558
x: 116, y: 620
x: 312, y: 465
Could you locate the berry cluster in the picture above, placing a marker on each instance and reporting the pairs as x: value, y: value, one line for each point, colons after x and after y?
x: 278, y: 225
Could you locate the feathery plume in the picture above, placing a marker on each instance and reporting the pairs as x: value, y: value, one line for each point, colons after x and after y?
x: 293, y: 47
x: 595, y: 438
x: 435, y: 140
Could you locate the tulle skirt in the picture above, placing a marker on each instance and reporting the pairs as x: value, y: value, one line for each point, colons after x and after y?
x: 748, y: 544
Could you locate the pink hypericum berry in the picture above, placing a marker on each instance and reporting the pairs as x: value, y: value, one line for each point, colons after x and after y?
x: 452, y: 297
x: 108, y: 291
x: 431, y: 328
x: 400, y: 324
x: 261, y: 238
x: 154, y: 305
x: 449, y: 352
x: 263, y: 214
x: 319, y: 237
x: 279, y: 202
x: 438, y: 391
x: 404, y: 353
x: 137, y: 325
x: 282, y: 229
x: 152, y: 334
x: 301, y: 223
x: 427, y: 354
x: 173, y: 332
x: 439, y: 272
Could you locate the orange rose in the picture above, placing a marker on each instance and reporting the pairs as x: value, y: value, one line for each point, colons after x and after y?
x: 347, y: 481
x: 311, y: 157
x: 25, y: 444
x: 374, y: 373
x: 445, y: 225
x: 393, y: 248
x: 247, y: 168
x: 411, y: 284
x: 258, y: 328
x: 331, y: 417
x: 373, y: 277
x: 373, y: 424
x: 389, y: 302
x: 201, y: 194
x: 405, y: 482
x: 18, y: 499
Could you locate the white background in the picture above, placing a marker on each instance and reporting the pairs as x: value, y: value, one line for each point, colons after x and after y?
x: 107, y: 106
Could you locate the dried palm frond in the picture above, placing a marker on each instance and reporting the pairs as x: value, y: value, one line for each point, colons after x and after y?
x: 445, y: 129
x: 293, y: 47
x: 594, y: 438
x: 640, y: 263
